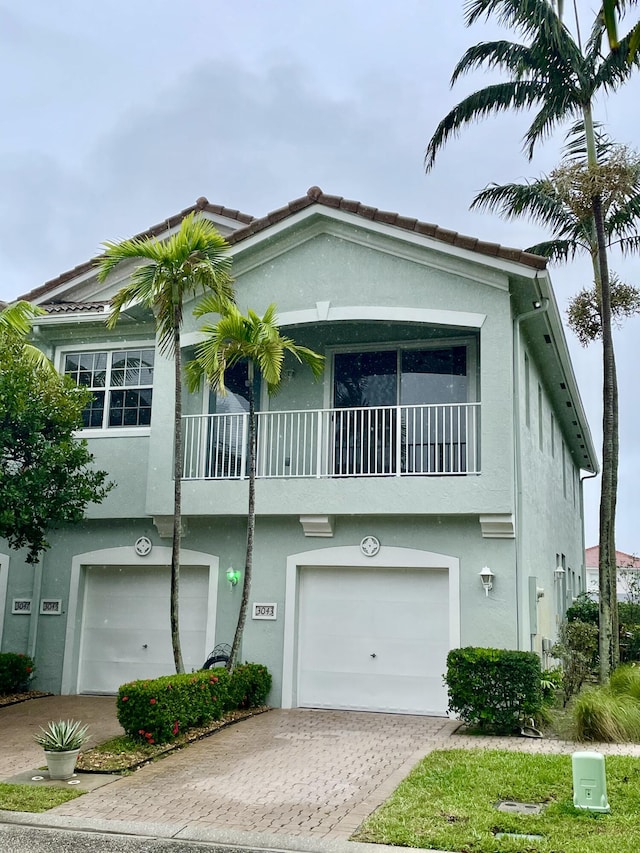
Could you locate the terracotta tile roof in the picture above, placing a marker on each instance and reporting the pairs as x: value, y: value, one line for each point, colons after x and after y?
x: 71, y: 307
x: 316, y: 196
x: 250, y: 226
x: 623, y: 561
x: 154, y: 231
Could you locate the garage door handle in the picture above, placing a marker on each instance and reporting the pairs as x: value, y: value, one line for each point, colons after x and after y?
x: 374, y: 655
x: 145, y: 646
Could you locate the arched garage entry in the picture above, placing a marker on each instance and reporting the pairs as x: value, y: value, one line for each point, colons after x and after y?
x: 369, y: 633
x: 118, y: 616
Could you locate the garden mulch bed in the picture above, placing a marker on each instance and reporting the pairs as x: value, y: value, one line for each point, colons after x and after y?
x: 15, y: 698
x: 101, y: 760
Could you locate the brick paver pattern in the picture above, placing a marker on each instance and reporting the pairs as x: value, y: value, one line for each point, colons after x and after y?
x: 300, y: 772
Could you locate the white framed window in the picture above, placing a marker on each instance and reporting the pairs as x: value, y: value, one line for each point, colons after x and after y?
x: 121, y: 382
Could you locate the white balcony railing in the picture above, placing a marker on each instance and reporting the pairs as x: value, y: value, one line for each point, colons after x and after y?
x: 436, y: 440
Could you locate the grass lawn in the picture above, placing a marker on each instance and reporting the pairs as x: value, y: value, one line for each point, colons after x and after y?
x: 29, y: 798
x: 448, y: 802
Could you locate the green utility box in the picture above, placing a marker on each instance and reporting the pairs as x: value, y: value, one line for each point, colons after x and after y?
x: 589, y: 782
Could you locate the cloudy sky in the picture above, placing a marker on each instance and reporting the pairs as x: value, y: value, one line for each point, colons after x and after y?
x: 120, y: 113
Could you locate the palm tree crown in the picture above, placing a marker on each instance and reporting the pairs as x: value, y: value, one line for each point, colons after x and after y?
x: 549, y: 72
x: 192, y: 260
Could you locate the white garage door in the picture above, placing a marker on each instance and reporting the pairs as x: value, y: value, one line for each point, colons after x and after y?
x: 125, y: 628
x: 373, y: 639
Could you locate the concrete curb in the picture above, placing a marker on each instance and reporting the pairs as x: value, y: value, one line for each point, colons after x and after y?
x: 222, y: 839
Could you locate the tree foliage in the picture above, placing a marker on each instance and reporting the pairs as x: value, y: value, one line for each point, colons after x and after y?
x: 46, y: 477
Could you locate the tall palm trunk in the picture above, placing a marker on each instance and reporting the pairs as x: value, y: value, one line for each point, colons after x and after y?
x: 251, y: 522
x: 609, y: 641
x: 177, y: 496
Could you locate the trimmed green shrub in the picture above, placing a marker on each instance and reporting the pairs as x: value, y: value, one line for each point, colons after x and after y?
x: 600, y: 715
x: 494, y: 689
x: 16, y: 671
x: 584, y: 609
x: 250, y: 685
x: 159, y: 710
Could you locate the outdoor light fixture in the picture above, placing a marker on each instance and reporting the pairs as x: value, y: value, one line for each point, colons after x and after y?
x: 558, y: 572
x: 233, y: 576
x: 486, y: 577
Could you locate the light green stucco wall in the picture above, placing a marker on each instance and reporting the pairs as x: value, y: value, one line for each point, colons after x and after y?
x: 486, y: 621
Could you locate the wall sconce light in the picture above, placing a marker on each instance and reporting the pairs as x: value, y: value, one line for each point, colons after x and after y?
x: 233, y: 576
x: 558, y: 572
x: 487, y: 576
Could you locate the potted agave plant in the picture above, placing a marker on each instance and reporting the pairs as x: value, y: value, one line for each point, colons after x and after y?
x: 62, y: 741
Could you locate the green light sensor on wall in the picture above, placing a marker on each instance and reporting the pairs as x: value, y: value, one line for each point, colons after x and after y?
x: 233, y: 576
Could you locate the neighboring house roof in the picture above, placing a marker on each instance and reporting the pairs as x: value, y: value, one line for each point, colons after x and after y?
x: 248, y: 226
x: 623, y: 560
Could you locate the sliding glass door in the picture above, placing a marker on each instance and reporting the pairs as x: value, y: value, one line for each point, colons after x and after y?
x: 404, y: 411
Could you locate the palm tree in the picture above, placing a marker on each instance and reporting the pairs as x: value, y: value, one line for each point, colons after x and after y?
x: 16, y: 320
x: 256, y: 341
x: 169, y: 272
x: 552, y: 72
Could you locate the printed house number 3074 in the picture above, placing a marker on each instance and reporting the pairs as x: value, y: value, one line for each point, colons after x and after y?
x: 264, y: 611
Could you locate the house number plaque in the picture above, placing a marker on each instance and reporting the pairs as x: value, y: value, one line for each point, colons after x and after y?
x: 264, y: 611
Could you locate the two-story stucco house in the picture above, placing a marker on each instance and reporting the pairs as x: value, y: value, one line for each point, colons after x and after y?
x: 446, y: 438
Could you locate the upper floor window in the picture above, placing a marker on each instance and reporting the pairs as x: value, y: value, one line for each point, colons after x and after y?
x: 121, y: 382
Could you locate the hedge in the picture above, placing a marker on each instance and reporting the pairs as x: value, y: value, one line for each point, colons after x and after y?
x: 16, y: 671
x: 158, y: 710
x: 494, y: 689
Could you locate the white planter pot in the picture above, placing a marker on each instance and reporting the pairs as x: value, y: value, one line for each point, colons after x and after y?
x: 61, y: 764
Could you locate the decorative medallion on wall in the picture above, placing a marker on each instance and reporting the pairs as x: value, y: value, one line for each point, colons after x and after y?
x: 370, y: 546
x: 143, y: 546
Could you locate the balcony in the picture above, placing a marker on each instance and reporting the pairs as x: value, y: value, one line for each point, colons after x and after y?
x: 401, y: 441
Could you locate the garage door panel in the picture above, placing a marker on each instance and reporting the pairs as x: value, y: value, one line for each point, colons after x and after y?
x: 337, y: 690
x: 401, y: 616
x: 126, y: 632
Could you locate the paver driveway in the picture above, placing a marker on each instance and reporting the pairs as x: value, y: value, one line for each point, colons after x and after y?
x: 299, y: 772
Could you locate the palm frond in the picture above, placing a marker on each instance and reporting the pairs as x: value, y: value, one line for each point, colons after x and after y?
x: 617, y: 66
x: 16, y: 318
x: 496, y: 98
x: 629, y: 245
x: 537, y: 200
x: 496, y: 54
x: 527, y: 16
x: 556, y: 251
x: 625, y: 219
